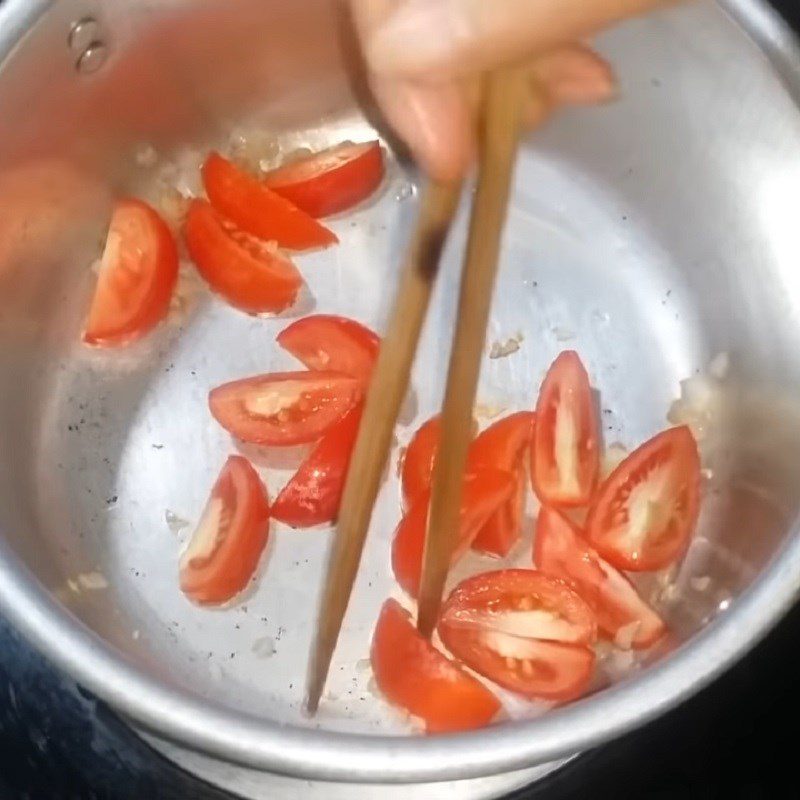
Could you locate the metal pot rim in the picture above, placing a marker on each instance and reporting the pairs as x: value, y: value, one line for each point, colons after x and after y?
x: 204, y: 726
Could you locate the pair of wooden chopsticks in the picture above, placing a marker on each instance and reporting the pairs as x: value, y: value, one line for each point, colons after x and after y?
x: 499, y: 121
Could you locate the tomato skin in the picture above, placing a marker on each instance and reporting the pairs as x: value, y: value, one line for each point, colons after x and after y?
x: 415, y: 676
x: 484, y: 492
x: 503, y: 446
x: 258, y: 210
x: 561, y: 550
x: 674, y: 456
x: 331, y: 181
x: 313, y: 495
x: 284, y: 408
x: 524, y: 630
x: 419, y: 460
x: 216, y: 578
x: 137, y: 278
x: 327, y: 342
x: 237, y: 266
x: 566, y: 425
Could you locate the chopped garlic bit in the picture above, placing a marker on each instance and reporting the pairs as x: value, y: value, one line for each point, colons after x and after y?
x: 92, y: 581
x: 626, y: 634
x: 501, y: 349
x: 488, y: 412
x: 175, y: 523
x: 255, y: 151
x: 614, y: 455
x: 700, y: 584
x: 73, y: 586
x: 363, y: 664
x: 563, y: 334
x: 146, y: 156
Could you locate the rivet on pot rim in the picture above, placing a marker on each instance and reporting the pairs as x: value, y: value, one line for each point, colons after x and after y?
x: 92, y: 58
x: 83, y: 33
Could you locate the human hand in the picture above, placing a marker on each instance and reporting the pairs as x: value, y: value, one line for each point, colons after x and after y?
x: 421, y: 54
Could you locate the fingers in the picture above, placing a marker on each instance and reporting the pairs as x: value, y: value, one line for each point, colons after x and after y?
x: 443, y: 39
x: 433, y: 120
x: 575, y: 75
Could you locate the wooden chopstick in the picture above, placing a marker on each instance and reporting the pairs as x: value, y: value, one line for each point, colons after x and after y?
x: 500, y: 123
x: 385, y: 397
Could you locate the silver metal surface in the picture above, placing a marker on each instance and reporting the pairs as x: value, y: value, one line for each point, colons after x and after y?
x: 650, y: 235
x: 258, y: 785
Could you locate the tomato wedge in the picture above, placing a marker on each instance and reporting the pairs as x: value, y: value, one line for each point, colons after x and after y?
x: 225, y: 550
x: 646, y: 511
x: 326, y: 342
x: 284, y: 408
x: 331, y: 181
x: 565, y: 458
x: 524, y: 630
x: 138, y: 273
x: 241, y: 268
x: 313, y: 495
x: 419, y: 459
x: 503, y: 446
x: 415, y: 676
x: 484, y: 492
x: 257, y: 210
x: 561, y: 550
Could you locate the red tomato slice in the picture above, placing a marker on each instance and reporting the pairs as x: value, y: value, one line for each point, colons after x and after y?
x: 418, y: 678
x: 646, y: 511
x: 561, y: 550
x: 331, y: 181
x: 503, y: 446
x: 484, y: 492
x: 284, y: 408
x: 313, y: 495
x: 241, y: 268
x: 524, y: 630
x: 138, y: 273
x: 257, y: 210
x: 419, y: 459
x: 225, y: 550
x: 565, y: 458
x: 325, y: 342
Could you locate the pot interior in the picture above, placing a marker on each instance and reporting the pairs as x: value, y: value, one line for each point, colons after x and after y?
x: 657, y: 236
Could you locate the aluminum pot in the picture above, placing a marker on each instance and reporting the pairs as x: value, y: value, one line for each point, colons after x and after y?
x: 656, y: 236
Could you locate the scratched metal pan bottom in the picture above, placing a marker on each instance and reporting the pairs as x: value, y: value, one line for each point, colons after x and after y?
x: 656, y: 236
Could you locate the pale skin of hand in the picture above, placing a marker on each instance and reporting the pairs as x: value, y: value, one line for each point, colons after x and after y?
x: 422, y: 53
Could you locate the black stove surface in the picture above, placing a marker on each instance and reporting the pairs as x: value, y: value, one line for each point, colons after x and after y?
x: 733, y: 741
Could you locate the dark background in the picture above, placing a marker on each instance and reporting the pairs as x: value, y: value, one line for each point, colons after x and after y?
x: 737, y: 740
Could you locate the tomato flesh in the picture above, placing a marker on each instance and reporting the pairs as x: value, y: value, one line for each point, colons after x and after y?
x: 313, y: 495
x: 526, y: 631
x: 484, y: 492
x: 503, y: 446
x: 565, y: 457
x: 225, y: 550
x: 646, y: 511
x: 326, y: 342
x: 284, y: 408
x: 415, y: 676
x: 138, y: 273
x: 561, y: 550
x: 257, y: 210
x: 241, y: 268
x: 331, y: 181
x: 419, y: 460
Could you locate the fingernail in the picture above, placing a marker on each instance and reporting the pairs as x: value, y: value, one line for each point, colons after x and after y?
x: 419, y: 36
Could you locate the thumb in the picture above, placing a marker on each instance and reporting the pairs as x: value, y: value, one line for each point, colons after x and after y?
x: 442, y: 39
